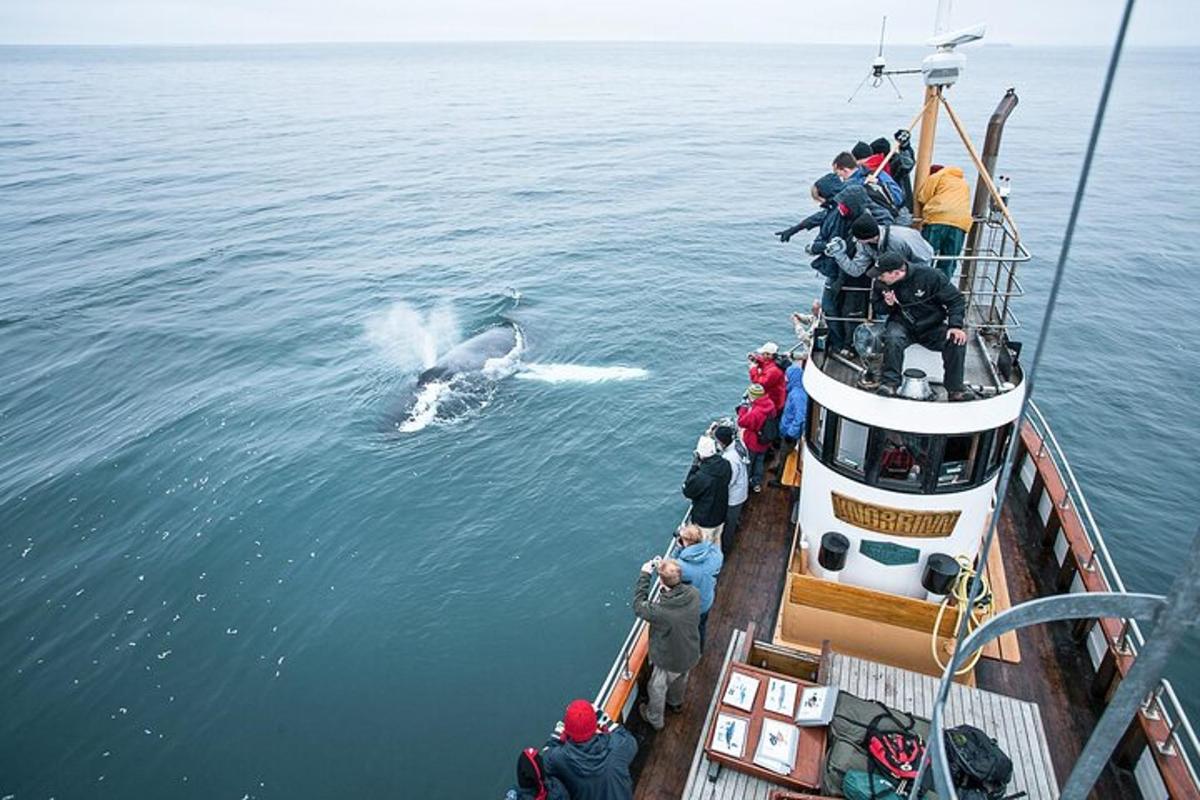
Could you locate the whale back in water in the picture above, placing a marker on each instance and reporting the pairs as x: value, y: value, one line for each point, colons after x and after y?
x: 473, y: 354
x: 464, y: 379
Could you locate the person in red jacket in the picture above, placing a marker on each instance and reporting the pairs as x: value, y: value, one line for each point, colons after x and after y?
x: 752, y: 418
x: 767, y: 374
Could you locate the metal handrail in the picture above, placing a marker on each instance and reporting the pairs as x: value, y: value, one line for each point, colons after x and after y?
x: 1172, y: 710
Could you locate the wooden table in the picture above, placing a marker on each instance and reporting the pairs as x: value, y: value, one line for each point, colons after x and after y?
x: 810, y: 747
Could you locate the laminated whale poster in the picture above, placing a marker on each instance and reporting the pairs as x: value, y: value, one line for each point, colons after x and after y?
x: 816, y: 705
x: 741, y: 691
x: 729, y: 735
x: 781, y: 697
x: 777, y: 746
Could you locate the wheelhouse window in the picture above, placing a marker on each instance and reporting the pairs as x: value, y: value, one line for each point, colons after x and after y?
x: 850, y: 449
x: 904, y: 459
x: 899, y: 461
x: 958, y: 461
x: 816, y: 426
x: 999, y: 448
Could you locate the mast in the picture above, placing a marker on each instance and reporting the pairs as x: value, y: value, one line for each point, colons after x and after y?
x: 939, y: 70
x: 929, y: 118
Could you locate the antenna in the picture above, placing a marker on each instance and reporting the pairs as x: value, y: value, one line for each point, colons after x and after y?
x: 879, y: 70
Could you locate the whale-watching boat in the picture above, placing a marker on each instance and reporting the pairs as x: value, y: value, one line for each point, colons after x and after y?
x: 966, y: 584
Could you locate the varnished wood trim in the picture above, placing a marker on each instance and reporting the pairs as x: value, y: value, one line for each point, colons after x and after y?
x: 856, y: 601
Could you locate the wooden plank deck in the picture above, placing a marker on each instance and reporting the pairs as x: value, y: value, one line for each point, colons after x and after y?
x: 729, y: 783
x: 748, y: 590
x: 1015, y: 724
x: 1054, y: 672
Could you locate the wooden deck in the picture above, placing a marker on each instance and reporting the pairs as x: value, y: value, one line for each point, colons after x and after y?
x: 729, y: 784
x: 1053, y: 672
x: 748, y: 590
x: 1015, y: 724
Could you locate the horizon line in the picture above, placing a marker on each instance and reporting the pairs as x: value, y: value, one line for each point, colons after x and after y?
x: 342, y: 42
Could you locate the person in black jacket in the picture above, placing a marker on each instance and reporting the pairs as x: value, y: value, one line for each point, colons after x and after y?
x: 902, y: 164
x: 707, y: 486
x: 921, y: 305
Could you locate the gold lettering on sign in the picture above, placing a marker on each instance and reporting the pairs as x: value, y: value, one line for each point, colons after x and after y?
x: 894, y: 521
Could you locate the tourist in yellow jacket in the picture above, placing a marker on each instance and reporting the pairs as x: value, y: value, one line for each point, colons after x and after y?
x: 945, y: 202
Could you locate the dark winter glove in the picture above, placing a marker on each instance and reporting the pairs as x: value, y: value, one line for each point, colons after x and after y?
x: 903, y: 137
x: 786, y: 234
x: 835, y: 247
x: 815, y: 248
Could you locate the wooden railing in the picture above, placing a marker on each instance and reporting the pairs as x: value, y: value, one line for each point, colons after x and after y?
x: 1162, y: 727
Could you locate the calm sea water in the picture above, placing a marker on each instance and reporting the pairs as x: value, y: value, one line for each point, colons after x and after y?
x: 226, y: 574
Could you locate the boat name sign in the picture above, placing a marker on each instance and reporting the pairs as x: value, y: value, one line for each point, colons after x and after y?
x: 894, y: 521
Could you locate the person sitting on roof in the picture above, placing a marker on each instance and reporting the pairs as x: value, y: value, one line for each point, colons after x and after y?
x: 791, y: 424
x: 735, y: 452
x: 707, y: 486
x: 765, y: 371
x: 700, y: 563
x: 532, y: 781
x: 592, y: 764
x: 674, y: 637
x: 754, y: 419
x: 945, y: 200
x: 873, y: 240
x: 860, y: 174
x: 920, y: 305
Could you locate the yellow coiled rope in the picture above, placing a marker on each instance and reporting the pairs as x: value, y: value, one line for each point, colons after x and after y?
x: 960, y: 597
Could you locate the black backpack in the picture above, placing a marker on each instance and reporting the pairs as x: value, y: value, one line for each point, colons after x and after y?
x: 980, y: 769
x: 769, y: 432
x: 879, y: 193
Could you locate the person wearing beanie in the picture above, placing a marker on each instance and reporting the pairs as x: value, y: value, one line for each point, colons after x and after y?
x: 919, y: 305
x: 865, y: 227
x: 707, y: 486
x: 873, y: 240
x: 592, y: 764
x: 853, y: 169
x: 733, y: 451
x: 823, y: 192
x: 532, y: 782
x: 861, y: 151
x: 755, y: 418
x: 766, y: 373
x: 881, y: 146
x: 674, y: 618
x: 699, y: 564
x: 945, y: 202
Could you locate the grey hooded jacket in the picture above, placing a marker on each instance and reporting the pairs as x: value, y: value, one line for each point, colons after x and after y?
x: 892, y: 239
x: 674, y: 624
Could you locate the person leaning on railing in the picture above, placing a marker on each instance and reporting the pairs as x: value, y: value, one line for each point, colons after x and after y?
x: 674, y: 618
x: 591, y: 755
x: 920, y: 305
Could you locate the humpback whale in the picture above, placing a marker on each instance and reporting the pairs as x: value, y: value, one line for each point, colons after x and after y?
x: 491, y: 345
x: 464, y: 378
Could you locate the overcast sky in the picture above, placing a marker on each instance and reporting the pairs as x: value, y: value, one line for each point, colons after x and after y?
x: 1069, y: 22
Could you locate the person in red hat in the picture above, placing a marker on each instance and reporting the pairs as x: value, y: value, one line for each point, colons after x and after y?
x: 592, y: 762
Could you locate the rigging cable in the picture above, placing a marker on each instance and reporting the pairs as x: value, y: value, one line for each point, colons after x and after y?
x: 1047, y: 317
